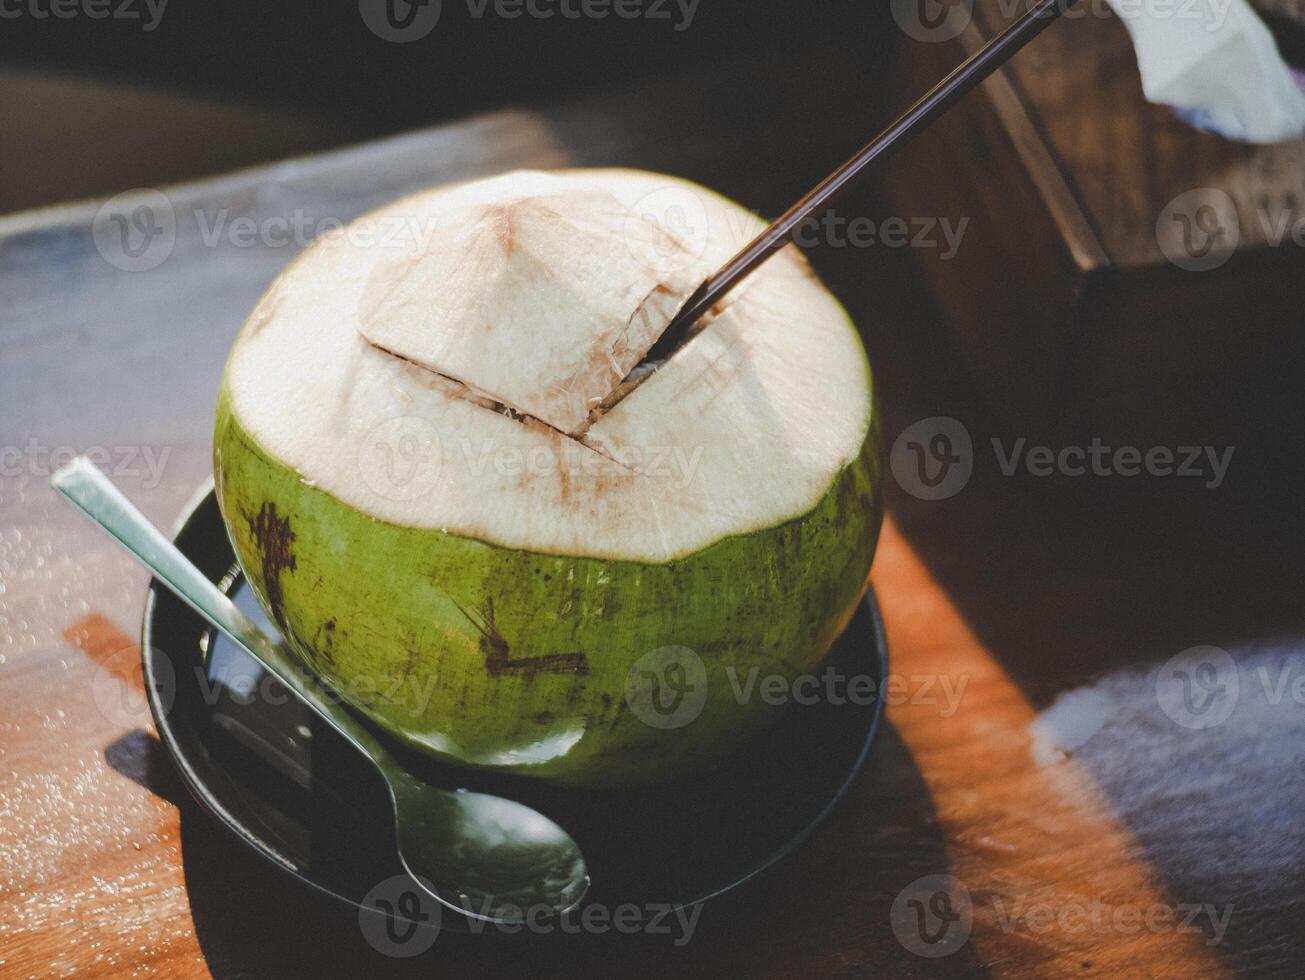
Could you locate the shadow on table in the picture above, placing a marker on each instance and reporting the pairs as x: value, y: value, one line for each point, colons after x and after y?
x: 1091, y: 586
x: 254, y: 922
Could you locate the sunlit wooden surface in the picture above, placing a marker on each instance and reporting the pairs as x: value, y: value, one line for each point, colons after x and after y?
x: 1102, y: 839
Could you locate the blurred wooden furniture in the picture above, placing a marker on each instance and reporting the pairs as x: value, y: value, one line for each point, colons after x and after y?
x: 139, y: 137
x: 1148, y: 850
x: 1122, y: 275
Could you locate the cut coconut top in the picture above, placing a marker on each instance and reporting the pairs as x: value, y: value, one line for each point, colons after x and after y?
x: 450, y: 379
x: 538, y: 291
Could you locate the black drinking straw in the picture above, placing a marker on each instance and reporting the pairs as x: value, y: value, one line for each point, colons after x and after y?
x: 936, y: 101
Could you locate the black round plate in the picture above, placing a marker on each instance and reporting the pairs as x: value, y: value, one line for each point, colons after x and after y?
x: 286, y: 785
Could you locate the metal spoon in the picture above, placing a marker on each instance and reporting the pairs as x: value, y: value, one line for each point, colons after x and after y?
x: 489, y: 858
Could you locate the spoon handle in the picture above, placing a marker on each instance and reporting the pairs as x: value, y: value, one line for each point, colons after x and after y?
x: 95, y: 496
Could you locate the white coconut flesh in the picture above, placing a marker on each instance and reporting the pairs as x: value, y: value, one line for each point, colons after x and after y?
x: 499, y: 323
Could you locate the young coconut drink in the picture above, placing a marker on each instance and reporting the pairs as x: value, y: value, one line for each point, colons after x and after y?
x: 472, y: 510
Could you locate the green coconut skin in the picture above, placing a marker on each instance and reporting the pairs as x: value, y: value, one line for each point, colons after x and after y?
x: 516, y: 660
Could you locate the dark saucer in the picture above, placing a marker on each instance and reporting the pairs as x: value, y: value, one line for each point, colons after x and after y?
x: 287, y: 786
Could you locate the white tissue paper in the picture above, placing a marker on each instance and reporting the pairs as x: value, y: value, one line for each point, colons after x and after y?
x: 1216, y: 63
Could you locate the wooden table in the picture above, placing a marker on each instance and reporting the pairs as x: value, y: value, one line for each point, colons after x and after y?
x: 1085, y: 838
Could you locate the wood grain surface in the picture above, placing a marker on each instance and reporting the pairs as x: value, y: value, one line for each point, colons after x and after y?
x: 1084, y: 830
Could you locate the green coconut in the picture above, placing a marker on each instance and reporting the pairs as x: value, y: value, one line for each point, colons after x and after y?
x: 476, y: 511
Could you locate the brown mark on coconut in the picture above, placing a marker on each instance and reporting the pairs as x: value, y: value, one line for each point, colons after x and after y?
x: 273, y: 538
x: 411, y: 667
x: 325, y: 640
x: 456, y: 388
x: 498, y: 655
x: 621, y: 708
